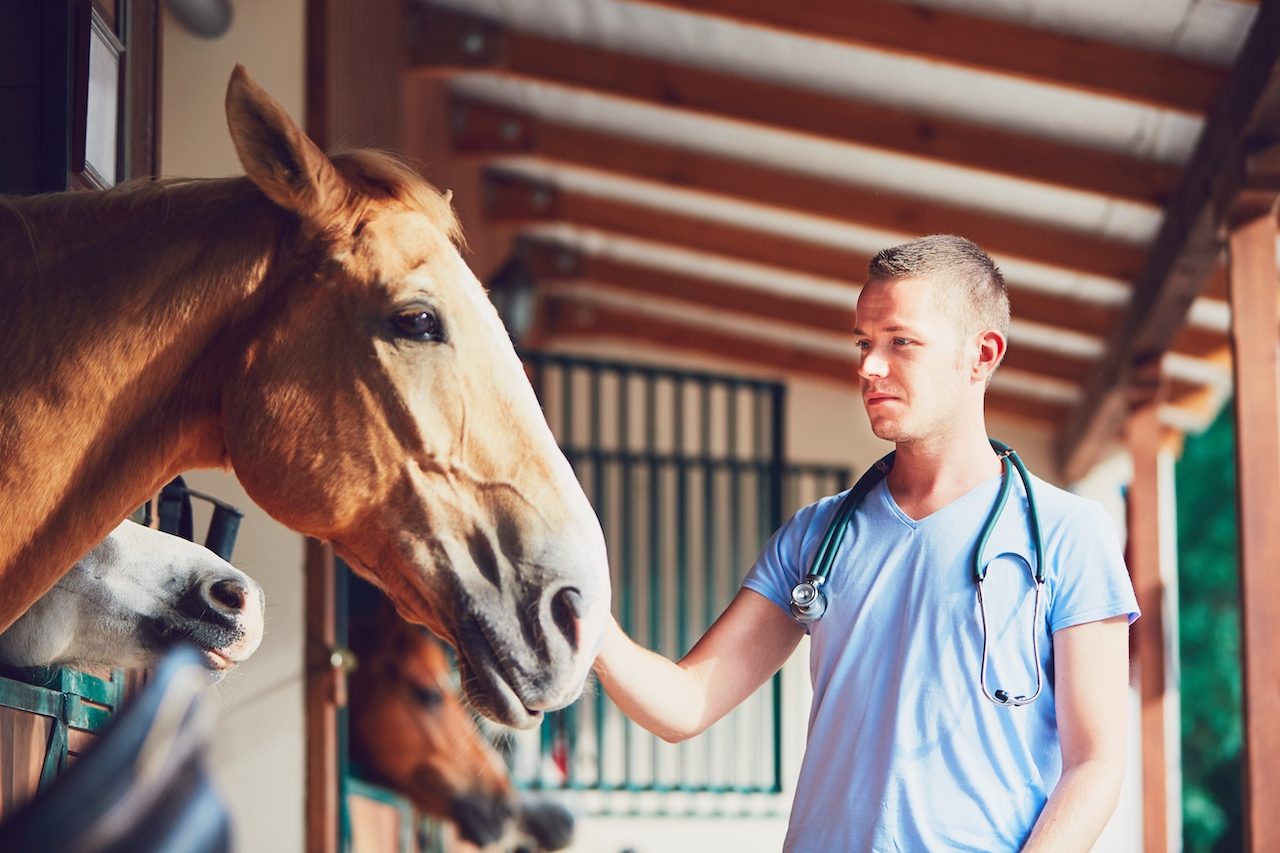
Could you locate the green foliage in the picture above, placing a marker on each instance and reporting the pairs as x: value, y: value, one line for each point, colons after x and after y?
x: 1209, y: 636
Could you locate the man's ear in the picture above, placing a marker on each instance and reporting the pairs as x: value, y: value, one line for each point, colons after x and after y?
x: 275, y: 154
x: 992, y: 346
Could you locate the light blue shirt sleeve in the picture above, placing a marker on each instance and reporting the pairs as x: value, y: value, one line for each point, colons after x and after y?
x: 1090, y: 581
x: 790, y: 551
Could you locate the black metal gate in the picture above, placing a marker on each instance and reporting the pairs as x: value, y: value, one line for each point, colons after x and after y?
x: 686, y: 473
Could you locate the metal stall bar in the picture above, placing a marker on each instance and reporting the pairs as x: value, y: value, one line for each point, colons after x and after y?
x: 627, y: 556
x: 654, y: 488
x: 598, y: 500
x: 778, y: 405
x: 734, y: 445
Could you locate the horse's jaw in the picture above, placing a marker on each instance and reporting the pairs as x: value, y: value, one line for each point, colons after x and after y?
x: 487, y: 681
x: 526, y: 632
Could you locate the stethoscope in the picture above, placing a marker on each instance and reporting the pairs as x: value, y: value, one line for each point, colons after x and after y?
x: 809, y: 602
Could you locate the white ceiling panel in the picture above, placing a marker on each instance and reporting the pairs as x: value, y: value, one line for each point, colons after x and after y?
x: 880, y: 77
x: 854, y: 164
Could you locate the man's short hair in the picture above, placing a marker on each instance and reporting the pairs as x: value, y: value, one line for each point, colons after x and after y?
x: 969, y: 284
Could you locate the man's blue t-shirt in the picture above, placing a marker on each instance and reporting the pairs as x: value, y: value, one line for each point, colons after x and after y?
x: 905, y: 753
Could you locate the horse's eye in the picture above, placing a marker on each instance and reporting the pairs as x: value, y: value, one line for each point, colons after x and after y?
x: 428, y: 697
x: 418, y: 324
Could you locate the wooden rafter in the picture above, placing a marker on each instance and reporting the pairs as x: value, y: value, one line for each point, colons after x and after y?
x: 513, y: 198
x: 565, y: 317
x: 445, y: 42
x: 1232, y: 153
x: 549, y: 260
x: 480, y: 128
x: 988, y: 45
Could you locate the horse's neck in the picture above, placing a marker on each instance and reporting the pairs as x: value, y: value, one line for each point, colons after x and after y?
x: 115, y: 302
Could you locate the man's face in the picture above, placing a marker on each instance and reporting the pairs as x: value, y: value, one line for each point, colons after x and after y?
x: 916, y: 373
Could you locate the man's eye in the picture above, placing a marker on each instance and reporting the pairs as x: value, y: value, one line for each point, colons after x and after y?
x: 901, y: 341
x: 864, y: 345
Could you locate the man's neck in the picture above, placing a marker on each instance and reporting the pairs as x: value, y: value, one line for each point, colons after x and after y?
x: 928, y: 474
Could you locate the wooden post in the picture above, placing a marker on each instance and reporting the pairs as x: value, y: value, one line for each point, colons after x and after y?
x: 1144, y: 437
x: 1256, y: 337
x: 323, y: 761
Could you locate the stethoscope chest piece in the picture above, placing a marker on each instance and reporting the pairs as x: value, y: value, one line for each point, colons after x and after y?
x: 808, y: 601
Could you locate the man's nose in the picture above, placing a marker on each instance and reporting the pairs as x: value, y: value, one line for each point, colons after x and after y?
x: 872, y: 365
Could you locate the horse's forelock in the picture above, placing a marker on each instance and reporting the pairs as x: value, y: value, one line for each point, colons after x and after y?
x: 377, y: 174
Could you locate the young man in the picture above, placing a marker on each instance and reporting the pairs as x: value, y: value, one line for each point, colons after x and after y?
x: 906, y: 753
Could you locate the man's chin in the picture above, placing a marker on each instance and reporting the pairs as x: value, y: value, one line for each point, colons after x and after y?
x: 886, y: 430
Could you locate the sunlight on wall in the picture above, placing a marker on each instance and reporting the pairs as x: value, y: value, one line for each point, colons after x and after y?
x: 259, y: 754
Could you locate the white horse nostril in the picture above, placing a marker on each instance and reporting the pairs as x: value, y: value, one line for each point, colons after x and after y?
x: 230, y: 594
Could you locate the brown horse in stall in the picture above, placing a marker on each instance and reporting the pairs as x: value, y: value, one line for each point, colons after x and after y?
x: 410, y: 732
x: 312, y: 326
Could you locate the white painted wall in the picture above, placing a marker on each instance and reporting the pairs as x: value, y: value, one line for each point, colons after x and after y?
x: 259, y: 754
x: 267, y: 37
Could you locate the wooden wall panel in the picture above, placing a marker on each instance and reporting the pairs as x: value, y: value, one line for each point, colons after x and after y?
x: 355, y: 73
x: 23, y: 739
x: 322, y: 817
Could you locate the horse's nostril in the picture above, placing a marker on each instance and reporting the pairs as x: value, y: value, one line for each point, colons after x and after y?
x: 480, y: 820
x: 230, y: 594
x: 567, y: 607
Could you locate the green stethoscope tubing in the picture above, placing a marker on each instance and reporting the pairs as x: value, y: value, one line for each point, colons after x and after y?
x: 808, y: 602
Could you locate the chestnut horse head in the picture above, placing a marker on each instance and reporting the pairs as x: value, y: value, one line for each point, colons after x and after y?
x: 411, y: 732
x: 314, y: 327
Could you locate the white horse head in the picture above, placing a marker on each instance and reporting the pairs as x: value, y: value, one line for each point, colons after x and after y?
x: 131, y: 598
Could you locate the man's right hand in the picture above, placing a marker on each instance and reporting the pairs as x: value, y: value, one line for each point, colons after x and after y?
x: 750, y: 641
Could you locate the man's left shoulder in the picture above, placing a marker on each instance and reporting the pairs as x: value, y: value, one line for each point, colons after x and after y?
x: 1062, y: 510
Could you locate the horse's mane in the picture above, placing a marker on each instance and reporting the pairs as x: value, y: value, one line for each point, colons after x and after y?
x: 377, y: 173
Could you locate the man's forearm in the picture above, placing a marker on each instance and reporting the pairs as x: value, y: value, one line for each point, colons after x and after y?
x: 659, y: 694
x: 750, y: 641
x: 1078, y: 809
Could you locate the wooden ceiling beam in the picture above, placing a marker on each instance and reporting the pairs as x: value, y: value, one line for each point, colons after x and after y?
x: 564, y: 317
x: 512, y: 198
x: 939, y: 35
x: 478, y: 128
x: 1243, y: 125
x: 444, y: 42
x: 550, y: 260
x: 1202, y: 343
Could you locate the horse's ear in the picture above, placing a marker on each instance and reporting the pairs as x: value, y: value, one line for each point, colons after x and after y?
x: 275, y: 154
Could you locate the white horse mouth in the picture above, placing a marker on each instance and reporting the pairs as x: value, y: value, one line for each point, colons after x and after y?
x: 485, y: 683
x: 217, y: 660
